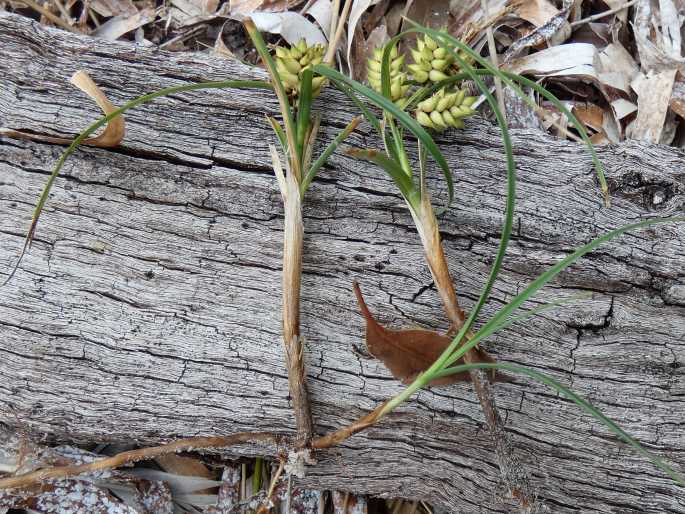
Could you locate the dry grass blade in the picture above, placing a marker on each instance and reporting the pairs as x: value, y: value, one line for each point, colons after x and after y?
x: 112, y: 135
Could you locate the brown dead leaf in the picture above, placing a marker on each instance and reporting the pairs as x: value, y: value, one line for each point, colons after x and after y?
x: 653, y: 96
x: 406, y: 353
x: 677, y: 103
x: 537, y: 12
x: 590, y: 114
x: 112, y: 135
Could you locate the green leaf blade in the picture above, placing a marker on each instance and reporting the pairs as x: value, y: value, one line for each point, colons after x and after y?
x: 405, y: 119
x: 581, y: 402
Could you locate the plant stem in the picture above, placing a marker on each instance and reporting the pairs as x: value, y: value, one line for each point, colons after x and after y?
x: 512, y: 472
x: 131, y: 456
x: 335, y: 38
x: 293, y: 237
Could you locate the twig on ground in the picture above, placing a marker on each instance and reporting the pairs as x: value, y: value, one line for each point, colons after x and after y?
x: 600, y: 15
x: 131, y: 456
x: 52, y: 17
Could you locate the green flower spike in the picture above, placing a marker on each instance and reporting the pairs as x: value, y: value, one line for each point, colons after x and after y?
x: 398, y: 77
x: 432, y: 62
x: 445, y: 109
x: 291, y: 62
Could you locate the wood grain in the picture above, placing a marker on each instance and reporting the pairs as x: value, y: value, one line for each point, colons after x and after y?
x: 148, y: 307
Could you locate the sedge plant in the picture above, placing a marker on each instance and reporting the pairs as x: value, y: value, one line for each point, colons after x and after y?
x: 295, y: 87
x: 414, y: 109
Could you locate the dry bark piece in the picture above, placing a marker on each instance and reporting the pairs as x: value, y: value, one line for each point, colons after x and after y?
x: 407, y: 353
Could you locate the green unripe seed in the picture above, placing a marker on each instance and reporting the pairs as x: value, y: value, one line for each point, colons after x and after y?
x: 436, y: 76
x: 439, y: 64
x: 437, y: 120
x: 424, y: 119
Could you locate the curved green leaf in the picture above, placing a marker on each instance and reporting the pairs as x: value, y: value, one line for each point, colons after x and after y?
x: 222, y: 84
x: 492, y: 325
x: 578, y: 400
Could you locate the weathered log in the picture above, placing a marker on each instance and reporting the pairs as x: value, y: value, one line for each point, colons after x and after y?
x: 148, y: 306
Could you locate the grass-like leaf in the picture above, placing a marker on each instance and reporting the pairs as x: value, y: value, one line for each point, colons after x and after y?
x: 542, y: 308
x: 392, y: 168
x: 491, y: 326
x: 102, y: 122
x: 578, y: 400
x: 304, y: 109
x: 314, y: 169
x: 388, y: 106
x: 286, y: 111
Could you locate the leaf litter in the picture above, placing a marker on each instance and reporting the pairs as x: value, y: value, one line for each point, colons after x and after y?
x: 622, y: 57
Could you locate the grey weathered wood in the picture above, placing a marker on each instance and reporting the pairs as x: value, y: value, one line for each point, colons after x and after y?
x: 148, y: 309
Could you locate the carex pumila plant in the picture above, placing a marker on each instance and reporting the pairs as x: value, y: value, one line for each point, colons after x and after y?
x: 296, y: 87
x: 403, y: 112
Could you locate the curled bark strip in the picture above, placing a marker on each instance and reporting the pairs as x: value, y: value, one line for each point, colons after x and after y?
x: 128, y: 457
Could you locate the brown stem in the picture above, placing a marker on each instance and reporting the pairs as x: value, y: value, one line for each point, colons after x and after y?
x: 128, y: 457
x: 514, y: 475
x: 292, y: 272
x: 340, y: 435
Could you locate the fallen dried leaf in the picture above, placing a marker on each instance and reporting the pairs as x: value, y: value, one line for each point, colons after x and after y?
x: 616, y: 68
x: 291, y: 25
x: 572, y: 60
x: 537, y: 12
x: 406, y: 353
x: 116, y: 27
x: 358, y: 8
x: 556, y: 30
x: 653, y: 96
x: 590, y: 114
x: 677, y: 102
x: 108, y: 8
x: 622, y: 108
x: 322, y: 12
x: 249, y: 6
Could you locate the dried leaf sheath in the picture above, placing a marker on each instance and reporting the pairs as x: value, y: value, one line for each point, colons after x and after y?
x: 406, y: 353
x: 292, y: 273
